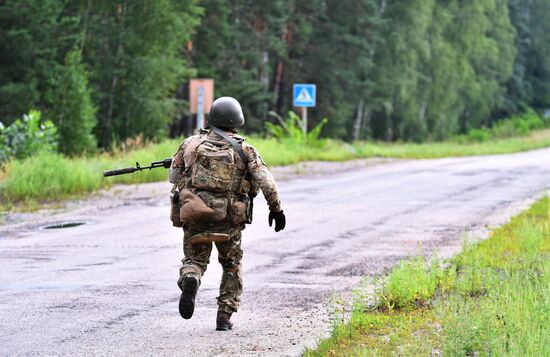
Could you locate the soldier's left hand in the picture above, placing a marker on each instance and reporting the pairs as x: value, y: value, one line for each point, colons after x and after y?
x: 280, y: 220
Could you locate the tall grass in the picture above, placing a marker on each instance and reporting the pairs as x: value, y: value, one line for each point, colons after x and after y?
x: 509, y: 314
x: 50, y: 176
x: 491, y: 300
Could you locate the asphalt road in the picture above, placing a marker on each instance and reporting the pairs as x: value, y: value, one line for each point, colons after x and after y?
x: 108, y: 287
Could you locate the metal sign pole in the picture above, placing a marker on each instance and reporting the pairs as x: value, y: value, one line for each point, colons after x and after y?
x: 200, y: 107
x: 304, y: 120
x: 303, y: 96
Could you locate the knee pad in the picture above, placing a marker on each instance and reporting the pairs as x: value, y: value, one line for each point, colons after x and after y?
x: 191, y: 270
x: 230, y: 267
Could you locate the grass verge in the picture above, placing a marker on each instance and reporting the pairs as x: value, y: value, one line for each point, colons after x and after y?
x: 50, y: 176
x: 491, y: 300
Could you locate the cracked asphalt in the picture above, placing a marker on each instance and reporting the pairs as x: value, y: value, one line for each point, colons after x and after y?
x: 108, y: 287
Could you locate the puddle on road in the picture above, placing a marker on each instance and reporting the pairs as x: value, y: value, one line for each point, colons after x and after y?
x: 60, y: 225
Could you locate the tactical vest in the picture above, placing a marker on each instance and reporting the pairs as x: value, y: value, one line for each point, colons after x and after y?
x: 215, y: 177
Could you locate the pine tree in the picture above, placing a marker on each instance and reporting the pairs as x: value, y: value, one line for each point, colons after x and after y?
x: 72, y: 109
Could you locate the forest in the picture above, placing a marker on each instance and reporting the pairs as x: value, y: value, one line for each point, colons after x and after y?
x: 417, y: 70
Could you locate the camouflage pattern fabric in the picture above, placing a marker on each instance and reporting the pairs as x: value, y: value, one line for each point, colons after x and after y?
x: 230, y: 255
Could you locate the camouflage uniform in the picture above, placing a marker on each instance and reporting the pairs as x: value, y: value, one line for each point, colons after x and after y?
x: 230, y: 253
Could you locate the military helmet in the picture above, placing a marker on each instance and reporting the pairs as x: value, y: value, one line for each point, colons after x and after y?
x: 226, y: 112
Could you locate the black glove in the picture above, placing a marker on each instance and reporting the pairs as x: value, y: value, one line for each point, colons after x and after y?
x: 167, y: 163
x: 280, y: 220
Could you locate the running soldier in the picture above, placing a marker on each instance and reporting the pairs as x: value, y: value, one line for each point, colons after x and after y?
x: 218, y: 175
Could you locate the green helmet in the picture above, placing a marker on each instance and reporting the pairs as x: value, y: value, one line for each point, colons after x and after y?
x: 226, y: 112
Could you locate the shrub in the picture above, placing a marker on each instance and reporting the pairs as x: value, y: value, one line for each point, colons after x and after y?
x: 410, y: 284
x: 478, y: 135
x: 291, y: 130
x: 27, y: 136
x: 518, y: 125
x: 49, y: 176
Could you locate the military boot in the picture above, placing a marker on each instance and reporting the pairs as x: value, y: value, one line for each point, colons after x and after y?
x: 222, y: 321
x: 187, y: 300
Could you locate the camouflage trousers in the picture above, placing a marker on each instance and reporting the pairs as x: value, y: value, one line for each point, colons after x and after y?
x: 197, y: 257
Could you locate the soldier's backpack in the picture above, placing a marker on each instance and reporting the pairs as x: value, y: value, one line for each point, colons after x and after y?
x: 214, y: 168
x: 213, y: 181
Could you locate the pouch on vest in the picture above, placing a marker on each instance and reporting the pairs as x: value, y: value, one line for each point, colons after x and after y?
x: 195, y: 209
x: 239, y: 213
x: 214, y: 167
x: 217, y: 202
x: 175, y: 210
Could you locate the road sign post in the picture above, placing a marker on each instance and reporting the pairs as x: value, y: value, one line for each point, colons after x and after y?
x: 200, y: 107
x: 304, y: 120
x: 304, y: 96
x: 201, y: 96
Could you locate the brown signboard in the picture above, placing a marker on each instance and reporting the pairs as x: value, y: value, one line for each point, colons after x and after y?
x: 207, y: 85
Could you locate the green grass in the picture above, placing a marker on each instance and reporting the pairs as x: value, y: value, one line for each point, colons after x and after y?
x: 277, y: 153
x: 493, y: 299
x: 50, y: 177
x: 412, y: 284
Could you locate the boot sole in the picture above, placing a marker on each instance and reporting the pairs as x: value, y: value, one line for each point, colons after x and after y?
x: 187, y: 299
x: 223, y: 328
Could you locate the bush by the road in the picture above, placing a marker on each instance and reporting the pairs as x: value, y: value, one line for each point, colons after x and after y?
x: 518, y: 125
x: 27, y: 136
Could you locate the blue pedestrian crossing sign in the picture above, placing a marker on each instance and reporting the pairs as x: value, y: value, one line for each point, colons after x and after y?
x: 304, y: 95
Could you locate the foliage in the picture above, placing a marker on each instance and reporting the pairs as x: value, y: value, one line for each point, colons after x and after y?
x: 530, y: 82
x: 72, y: 107
x: 35, y: 36
x: 386, y: 70
x: 27, y: 137
x: 476, y: 135
x: 291, y: 131
x: 518, y: 125
x: 521, y: 124
x: 51, y: 176
x: 133, y: 49
x: 412, y: 284
x: 492, y: 301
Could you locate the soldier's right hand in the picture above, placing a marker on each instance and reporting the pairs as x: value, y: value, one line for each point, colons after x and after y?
x: 280, y: 220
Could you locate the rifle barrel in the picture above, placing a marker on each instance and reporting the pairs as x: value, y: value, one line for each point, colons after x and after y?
x: 126, y: 170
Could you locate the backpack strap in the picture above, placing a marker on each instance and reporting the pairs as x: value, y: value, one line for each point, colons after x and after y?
x: 237, y: 146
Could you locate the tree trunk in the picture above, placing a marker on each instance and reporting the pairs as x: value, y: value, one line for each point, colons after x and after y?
x: 278, y: 88
x: 358, y: 120
x: 121, y: 7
